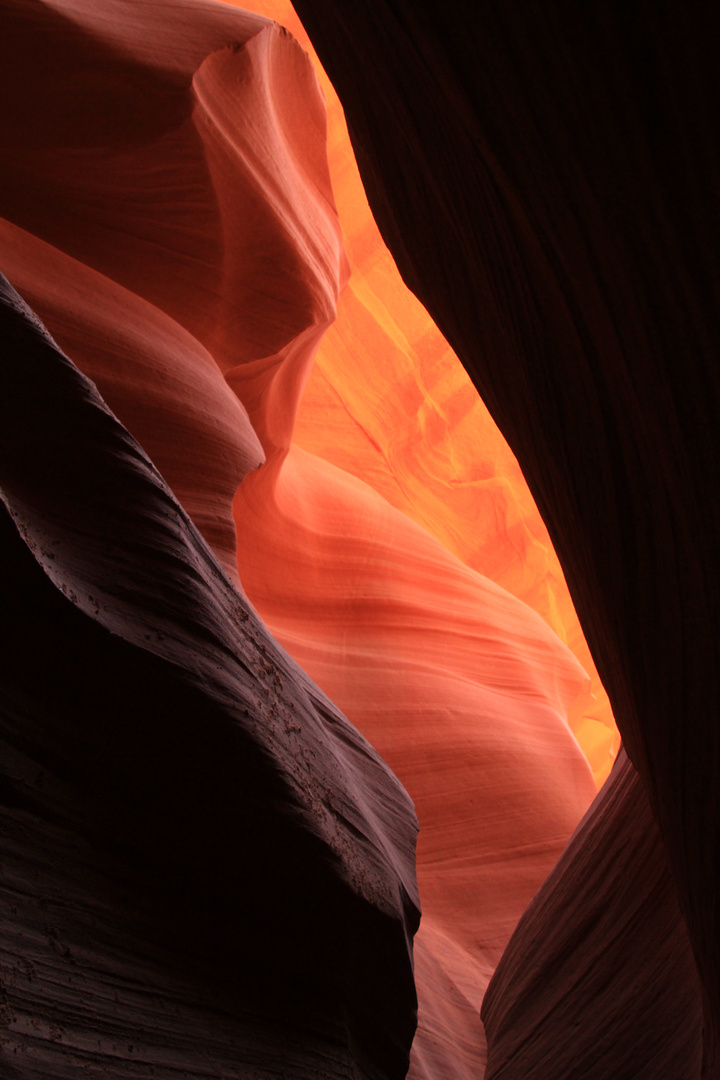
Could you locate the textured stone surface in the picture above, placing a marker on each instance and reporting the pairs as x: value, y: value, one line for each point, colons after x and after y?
x: 599, y: 979
x: 205, y: 866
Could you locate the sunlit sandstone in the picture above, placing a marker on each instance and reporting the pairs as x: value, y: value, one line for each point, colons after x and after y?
x: 389, y: 402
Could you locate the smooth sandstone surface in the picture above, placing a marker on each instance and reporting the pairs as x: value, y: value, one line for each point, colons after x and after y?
x: 158, y: 377
x: 389, y: 402
x: 458, y: 685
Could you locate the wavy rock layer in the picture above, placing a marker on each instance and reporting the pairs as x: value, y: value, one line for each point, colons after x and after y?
x: 460, y: 687
x: 158, y: 377
x: 205, y: 864
x: 389, y: 402
x: 547, y: 183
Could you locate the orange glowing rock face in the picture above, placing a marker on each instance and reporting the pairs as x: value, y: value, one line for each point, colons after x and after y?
x: 388, y: 401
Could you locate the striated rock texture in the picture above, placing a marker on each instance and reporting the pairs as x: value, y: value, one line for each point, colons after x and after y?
x: 592, y: 974
x: 547, y: 181
x: 204, y: 865
x: 176, y: 207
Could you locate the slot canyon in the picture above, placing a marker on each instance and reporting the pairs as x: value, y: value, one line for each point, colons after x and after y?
x: 359, y: 474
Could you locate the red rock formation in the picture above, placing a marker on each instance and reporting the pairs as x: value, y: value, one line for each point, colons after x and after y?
x: 547, y: 181
x: 158, y: 377
x: 453, y: 682
x: 459, y: 686
x: 388, y: 402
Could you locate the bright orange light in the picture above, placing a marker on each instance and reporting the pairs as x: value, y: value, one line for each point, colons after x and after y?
x: 389, y: 402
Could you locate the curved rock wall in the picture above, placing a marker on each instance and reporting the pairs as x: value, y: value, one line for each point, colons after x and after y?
x: 389, y: 402
x: 203, y: 861
x: 601, y: 959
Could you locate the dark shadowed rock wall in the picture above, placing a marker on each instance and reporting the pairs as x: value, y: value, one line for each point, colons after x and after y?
x: 547, y: 178
x: 599, y: 978
x: 204, y: 864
